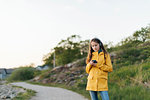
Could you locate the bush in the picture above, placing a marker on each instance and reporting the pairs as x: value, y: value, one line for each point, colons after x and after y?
x: 22, y: 74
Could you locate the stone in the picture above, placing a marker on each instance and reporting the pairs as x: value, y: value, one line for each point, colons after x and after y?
x: 7, y: 91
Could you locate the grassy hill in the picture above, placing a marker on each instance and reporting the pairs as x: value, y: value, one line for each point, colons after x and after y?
x: 130, y: 79
x: 130, y: 53
x: 130, y: 82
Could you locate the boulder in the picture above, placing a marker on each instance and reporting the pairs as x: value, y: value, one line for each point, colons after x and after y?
x: 7, y: 91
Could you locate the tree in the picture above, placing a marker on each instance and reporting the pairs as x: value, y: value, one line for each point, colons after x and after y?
x: 142, y: 35
x: 67, y: 51
x: 48, y: 59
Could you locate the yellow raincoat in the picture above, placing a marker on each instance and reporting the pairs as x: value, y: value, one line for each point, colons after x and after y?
x: 98, y: 75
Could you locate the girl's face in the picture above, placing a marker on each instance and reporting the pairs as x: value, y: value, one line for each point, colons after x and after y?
x: 95, y: 46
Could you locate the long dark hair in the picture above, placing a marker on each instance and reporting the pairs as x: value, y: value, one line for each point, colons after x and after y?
x: 89, y: 57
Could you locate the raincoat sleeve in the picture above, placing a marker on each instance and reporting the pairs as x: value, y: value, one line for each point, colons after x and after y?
x: 88, y: 68
x: 107, y: 66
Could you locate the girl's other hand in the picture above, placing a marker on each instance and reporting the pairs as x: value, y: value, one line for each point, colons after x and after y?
x: 91, y: 62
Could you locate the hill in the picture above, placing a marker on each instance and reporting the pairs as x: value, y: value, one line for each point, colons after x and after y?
x: 130, y: 79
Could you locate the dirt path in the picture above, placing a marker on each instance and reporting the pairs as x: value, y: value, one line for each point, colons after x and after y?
x: 50, y: 93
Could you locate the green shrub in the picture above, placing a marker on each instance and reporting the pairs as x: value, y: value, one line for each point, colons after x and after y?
x: 37, y: 72
x: 22, y: 74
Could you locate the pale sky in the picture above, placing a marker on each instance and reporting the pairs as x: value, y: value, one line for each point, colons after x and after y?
x: 29, y: 29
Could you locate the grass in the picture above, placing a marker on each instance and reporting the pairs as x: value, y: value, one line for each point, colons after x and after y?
x: 128, y: 83
x: 125, y: 83
x: 129, y: 93
x: 24, y: 96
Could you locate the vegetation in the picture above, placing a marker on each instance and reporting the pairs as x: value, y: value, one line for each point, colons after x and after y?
x: 130, y: 79
x: 25, y: 96
x: 126, y: 83
x: 133, y: 49
x: 22, y: 74
x: 67, y: 51
x: 130, y: 82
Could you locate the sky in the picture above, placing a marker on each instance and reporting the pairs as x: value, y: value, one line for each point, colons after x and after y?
x: 29, y: 29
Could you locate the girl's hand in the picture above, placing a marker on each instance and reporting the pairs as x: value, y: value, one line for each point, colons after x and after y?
x: 91, y: 62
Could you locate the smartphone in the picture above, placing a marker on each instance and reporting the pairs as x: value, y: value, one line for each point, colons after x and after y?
x: 94, y: 61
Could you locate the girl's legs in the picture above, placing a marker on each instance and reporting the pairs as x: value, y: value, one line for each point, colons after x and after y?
x: 93, y: 95
x: 104, y: 95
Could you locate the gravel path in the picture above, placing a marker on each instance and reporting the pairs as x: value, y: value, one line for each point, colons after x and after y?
x: 50, y: 93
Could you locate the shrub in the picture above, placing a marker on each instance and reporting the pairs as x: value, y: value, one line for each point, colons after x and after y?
x: 22, y: 74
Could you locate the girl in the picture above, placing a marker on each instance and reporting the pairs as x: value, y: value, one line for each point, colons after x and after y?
x: 98, y: 65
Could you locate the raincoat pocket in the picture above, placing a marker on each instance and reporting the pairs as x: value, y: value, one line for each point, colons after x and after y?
x: 104, y: 73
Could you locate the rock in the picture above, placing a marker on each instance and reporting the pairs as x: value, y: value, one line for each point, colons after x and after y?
x: 2, y: 82
x: 72, y: 83
x: 36, y: 78
x: 76, y: 63
x: 7, y: 91
x: 45, y: 81
x: 57, y: 68
x: 67, y: 74
x: 81, y: 76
